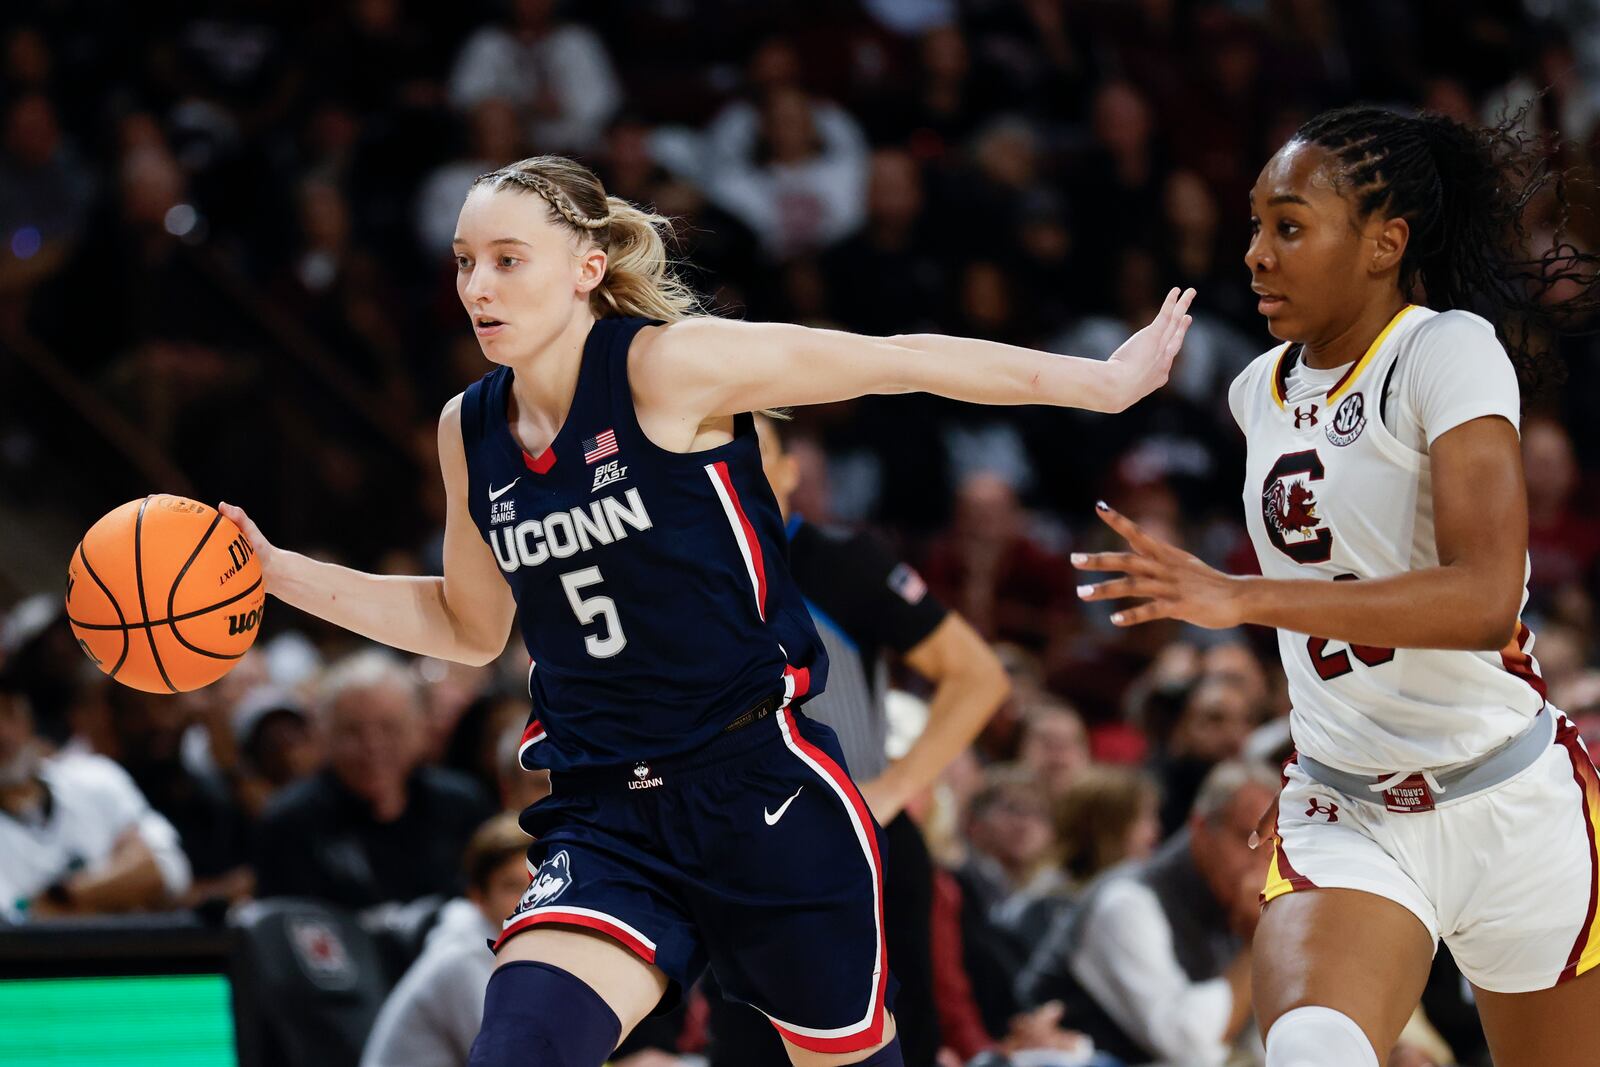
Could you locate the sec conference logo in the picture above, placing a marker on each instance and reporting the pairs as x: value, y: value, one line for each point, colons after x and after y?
x: 1348, y: 421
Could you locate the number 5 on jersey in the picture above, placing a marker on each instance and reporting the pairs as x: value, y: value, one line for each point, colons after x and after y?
x: 588, y: 609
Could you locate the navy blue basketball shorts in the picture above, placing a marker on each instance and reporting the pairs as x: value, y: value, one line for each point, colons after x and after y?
x: 754, y: 855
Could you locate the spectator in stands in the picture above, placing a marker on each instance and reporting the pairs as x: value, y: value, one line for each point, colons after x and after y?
x: 1108, y: 815
x: 1212, y: 725
x: 1155, y: 963
x: 889, y: 276
x: 1054, y: 745
x: 790, y: 166
x: 1012, y: 842
x: 76, y: 835
x: 1235, y: 661
x: 1007, y: 882
x: 278, y: 745
x: 374, y: 826
x: 45, y: 192
x: 557, y: 73
x: 1563, y: 542
x: 495, y: 139
x: 147, y: 730
x: 988, y: 567
x: 432, y: 1015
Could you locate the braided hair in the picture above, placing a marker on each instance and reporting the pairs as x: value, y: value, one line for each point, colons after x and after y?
x: 638, y: 280
x: 1465, y: 192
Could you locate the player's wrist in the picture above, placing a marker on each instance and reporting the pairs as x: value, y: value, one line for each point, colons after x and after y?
x: 1247, y: 598
x: 1118, y: 390
x: 282, y: 571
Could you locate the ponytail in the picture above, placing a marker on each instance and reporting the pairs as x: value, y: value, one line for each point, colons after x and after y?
x: 638, y: 278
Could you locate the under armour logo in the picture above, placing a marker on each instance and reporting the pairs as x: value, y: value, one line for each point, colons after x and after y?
x: 1301, y: 415
x: 1316, y: 808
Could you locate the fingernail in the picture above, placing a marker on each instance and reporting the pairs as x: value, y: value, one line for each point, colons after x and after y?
x: 1080, y: 558
x: 1116, y: 617
x: 1101, y: 505
x: 1085, y: 590
x: 1255, y: 839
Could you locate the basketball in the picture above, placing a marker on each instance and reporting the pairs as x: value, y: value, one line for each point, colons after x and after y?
x: 164, y: 594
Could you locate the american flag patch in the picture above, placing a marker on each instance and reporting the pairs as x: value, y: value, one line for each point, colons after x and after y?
x: 600, y: 446
x: 908, y: 583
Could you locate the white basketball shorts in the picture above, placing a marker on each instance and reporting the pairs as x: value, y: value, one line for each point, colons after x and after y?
x: 1507, y: 876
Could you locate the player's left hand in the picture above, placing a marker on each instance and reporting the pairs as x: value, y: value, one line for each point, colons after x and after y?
x: 1142, y: 363
x: 1174, y: 583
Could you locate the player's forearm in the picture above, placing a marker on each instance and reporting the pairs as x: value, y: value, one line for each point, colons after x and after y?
x: 1450, y: 607
x: 961, y: 703
x: 403, y: 611
x: 988, y: 372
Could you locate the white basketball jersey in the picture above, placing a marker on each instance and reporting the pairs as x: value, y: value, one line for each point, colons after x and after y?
x: 1331, y: 492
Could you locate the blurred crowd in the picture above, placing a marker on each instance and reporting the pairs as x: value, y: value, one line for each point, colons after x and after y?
x: 225, y: 272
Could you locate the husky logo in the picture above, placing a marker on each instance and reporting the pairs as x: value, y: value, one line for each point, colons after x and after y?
x: 642, y: 778
x: 1289, y: 509
x: 552, y: 879
x: 1348, y: 421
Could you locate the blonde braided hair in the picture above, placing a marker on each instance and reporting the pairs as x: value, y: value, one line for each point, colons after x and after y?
x: 638, y: 280
x: 552, y: 192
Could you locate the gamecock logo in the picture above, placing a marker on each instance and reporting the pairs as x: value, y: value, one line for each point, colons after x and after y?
x: 1289, y: 509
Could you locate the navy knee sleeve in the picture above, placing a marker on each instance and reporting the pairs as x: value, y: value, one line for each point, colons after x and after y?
x: 536, y: 1013
x: 887, y: 1056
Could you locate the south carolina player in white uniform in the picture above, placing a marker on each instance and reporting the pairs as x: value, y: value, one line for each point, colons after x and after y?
x: 1435, y: 793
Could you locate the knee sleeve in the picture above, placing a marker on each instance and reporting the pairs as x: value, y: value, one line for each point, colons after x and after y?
x: 887, y: 1056
x: 536, y: 1013
x: 1318, y: 1037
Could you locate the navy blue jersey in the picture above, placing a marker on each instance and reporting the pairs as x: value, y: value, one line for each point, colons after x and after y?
x: 652, y: 587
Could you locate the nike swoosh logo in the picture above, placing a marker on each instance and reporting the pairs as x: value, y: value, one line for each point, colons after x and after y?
x: 774, y: 816
x: 496, y: 494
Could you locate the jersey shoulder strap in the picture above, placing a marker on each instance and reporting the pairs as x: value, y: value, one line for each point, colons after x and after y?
x: 477, y: 408
x: 615, y: 343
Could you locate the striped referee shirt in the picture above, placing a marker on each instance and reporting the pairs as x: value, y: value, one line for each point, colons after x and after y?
x: 865, y: 601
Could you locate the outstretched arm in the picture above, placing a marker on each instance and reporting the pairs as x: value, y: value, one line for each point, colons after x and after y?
x: 1469, y: 601
x: 704, y: 368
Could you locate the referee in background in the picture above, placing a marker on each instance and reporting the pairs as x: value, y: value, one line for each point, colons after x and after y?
x: 867, y: 603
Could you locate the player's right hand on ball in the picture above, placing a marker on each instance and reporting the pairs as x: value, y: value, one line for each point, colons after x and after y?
x: 258, y: 541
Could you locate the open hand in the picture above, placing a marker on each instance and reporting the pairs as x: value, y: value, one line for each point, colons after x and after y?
x: 1174, y: 583
x: 1142, y: 363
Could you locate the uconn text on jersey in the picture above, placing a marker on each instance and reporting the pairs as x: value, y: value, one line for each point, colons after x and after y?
x: 561, y: 534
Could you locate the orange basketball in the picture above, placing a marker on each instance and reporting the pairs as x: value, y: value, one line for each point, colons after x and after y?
x: 164, y: 594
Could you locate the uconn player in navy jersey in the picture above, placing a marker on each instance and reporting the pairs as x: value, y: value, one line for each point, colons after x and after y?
x: 605, y: 493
